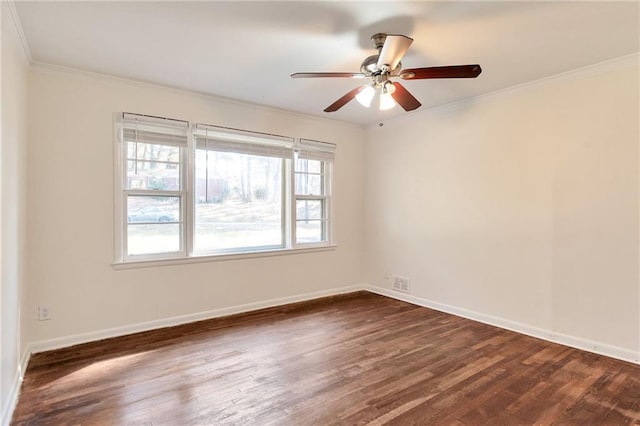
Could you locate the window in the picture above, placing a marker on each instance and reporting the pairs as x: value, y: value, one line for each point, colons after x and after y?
x: 240, y: 190
x: 205, y: 190
x: 153, y: 196
x: 312, y: 170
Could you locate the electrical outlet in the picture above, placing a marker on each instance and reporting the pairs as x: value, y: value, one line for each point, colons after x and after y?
x: 44, y: 313
x: 387, y: 275
x: 401, y: 284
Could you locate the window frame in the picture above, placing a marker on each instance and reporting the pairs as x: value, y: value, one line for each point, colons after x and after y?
x: 188, y: 197
x: 123, y: 193
x: 258, y: 144
x: 324, y: 198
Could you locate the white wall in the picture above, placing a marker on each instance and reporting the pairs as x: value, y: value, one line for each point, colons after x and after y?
x: 520, y: 208
x: 70, y: 219
x: 13, y: 142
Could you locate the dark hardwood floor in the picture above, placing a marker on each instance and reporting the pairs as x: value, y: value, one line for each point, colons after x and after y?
x: 353, y: 359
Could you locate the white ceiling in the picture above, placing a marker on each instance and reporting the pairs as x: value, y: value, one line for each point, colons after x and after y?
x: 247, y: 50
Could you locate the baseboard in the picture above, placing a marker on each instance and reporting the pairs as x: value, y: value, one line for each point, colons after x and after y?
x: 12, y: 398
x: 63, y: 342
x: 548, y: 335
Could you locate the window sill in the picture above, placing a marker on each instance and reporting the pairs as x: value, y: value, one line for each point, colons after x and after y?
x: 132, y: 264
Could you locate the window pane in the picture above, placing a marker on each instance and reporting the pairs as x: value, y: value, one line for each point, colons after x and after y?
x: 238, y: 201
x: 147, y: 151
x: 311, y: 231
x: 308, y: 166
x: 153, y: 238
x: 153, y: 175
x: 309, y: 209
x: 151, y: 166
x: 152, y: 209
x: 308, y: 184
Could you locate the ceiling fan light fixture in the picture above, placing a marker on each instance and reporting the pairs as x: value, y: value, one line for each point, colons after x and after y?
x: 386, y: 100
x: 366, y: 96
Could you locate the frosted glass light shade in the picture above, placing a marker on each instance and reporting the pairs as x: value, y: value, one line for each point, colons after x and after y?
x: 365, y: 96
x: 386, y: 101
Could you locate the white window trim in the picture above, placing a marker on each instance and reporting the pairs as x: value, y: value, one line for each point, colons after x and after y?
x: 186, y: 254
x: 326, y: 197
x: 321, y: 151
x: 121, y: 193
x: 118, y: 205
x: 221, y: 257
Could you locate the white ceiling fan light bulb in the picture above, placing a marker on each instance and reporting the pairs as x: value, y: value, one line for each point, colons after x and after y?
x: 389, y: 87
x: 366, y: 96
x: 386, y: 100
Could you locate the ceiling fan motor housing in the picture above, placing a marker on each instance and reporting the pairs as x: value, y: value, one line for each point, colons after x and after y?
x: 369, y: 66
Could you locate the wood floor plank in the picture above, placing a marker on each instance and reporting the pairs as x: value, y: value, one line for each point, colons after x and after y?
x: 357, y: 359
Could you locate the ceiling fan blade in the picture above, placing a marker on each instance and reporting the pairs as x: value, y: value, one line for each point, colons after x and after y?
x: 328, y: 74
x: 404, y: 98
x: 452, y: 71
x: 345, y: 99
x: 394, y: 48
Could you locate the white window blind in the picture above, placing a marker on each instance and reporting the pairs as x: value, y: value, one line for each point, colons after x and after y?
x: 315, y: 150
x: 240, y: 141
x: 154, y: 130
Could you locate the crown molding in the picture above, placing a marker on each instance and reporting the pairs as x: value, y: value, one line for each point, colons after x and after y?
x: 62, y: 69
x: 18, y: 24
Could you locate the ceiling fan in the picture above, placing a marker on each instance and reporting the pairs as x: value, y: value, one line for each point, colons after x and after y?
x: 384, y: 66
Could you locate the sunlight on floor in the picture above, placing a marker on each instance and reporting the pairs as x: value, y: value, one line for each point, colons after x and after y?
x: 100, y: 369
